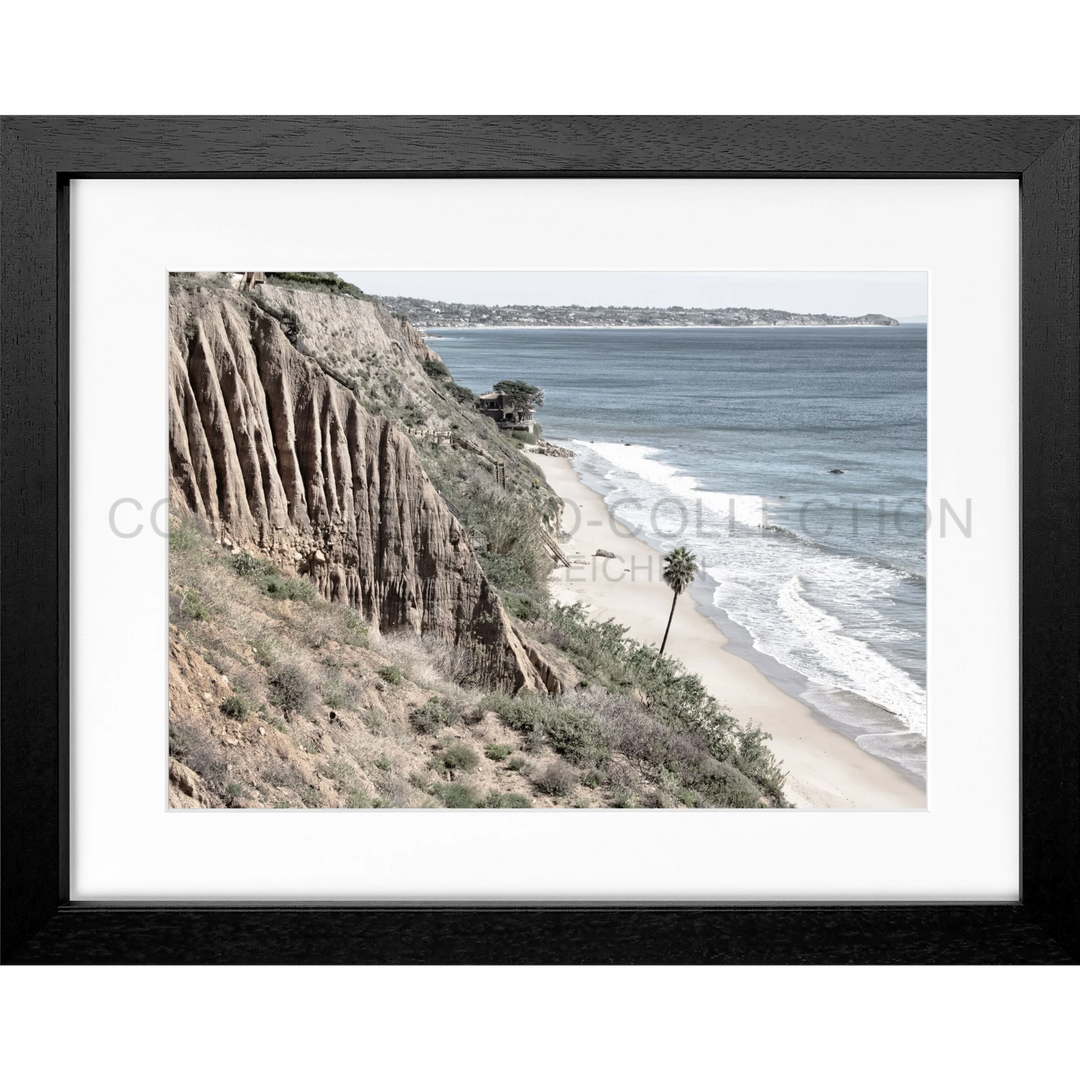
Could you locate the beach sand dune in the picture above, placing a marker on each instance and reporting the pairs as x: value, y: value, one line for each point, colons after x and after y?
x: 826, y: 769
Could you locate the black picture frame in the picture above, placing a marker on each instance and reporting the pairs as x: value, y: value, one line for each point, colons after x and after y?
x: 40, y: 155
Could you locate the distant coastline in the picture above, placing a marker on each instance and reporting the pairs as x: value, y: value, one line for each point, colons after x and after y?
x: 429, y: 330
x: 458, y: 316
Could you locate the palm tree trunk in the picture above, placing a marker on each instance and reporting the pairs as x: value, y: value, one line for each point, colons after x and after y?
x: 667, y: 628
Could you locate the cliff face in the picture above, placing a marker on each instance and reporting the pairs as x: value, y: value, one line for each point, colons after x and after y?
x: 283, y: 459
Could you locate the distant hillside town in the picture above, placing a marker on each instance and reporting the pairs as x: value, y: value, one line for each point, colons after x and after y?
x: 439, y: 314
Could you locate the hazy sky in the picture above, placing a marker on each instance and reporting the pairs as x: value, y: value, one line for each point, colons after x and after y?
x: 899, y: 294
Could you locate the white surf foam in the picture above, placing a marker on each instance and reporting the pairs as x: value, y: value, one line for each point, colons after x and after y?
x: 852, y: 664
x: 713, y: 508
x: 765, y: 575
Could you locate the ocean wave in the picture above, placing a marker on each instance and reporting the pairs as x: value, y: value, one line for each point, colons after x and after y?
x: 852, y: 664
x: 699, y: 506
x: 772, y: 581
x: 905, y: 748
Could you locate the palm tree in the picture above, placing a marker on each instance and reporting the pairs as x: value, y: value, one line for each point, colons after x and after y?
x: 679, y: 570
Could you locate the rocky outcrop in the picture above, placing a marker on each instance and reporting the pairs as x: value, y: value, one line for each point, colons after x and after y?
x: 547, y: 449
x: 283, y: 459
x: 186, y: 788
x: 555, y: 671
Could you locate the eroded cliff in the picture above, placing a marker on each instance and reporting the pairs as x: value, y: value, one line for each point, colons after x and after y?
x: 281, y: 458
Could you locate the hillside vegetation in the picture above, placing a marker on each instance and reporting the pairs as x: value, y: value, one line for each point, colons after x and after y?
x: 279, y: 698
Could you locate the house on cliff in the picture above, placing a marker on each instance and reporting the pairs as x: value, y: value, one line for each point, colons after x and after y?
x: 507, y: 414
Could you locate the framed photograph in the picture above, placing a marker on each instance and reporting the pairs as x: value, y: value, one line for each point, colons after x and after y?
x: 705, y: 486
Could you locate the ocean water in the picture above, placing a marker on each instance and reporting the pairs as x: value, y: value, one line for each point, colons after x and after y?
x: 726, y: 441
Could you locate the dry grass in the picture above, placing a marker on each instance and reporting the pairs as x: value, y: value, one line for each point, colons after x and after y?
x: 436, y: 666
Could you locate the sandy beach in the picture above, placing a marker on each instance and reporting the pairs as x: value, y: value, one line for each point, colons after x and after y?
x: 826, y: 769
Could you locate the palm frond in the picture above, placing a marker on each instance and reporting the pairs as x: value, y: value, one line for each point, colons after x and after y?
x: 679, y: 569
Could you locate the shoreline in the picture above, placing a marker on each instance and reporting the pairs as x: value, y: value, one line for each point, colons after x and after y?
x: 826, y: 769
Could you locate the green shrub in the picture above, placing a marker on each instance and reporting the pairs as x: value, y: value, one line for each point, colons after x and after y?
x: 392, y: 674
x: 516, y: 764
x: 185, y: 537
x: 521, y: 607
x: 755, y: 759
x: 247, y: 566
x: 462, y: 393
x: 509, y: 801
x: 497, y: 751
x: 357, y: 800
x: 576, y: 735
x: 594, y: 778
x: 458, y: 796
x: 314, y: 282
x: 521, y: 713
x: 432, y: 715
x: 269, y: 579
x: 311, y: 796
x: 435, y: 368
x: 557, y: 780
x: 289, y: 689
x: 194, y: 607
x: 724, y: 785
x: 236, y: 707
x: 569, y: 730
x: 526, y: 437
x: 383, y: 763
x: 459, y: 756
x: 292, y: 589
x: 506, y: 572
